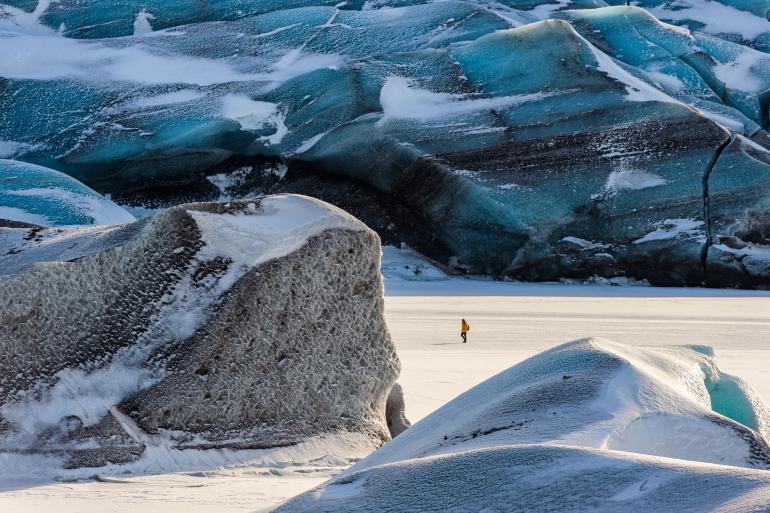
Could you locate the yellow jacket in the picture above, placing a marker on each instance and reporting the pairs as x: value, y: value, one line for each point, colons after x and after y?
x: 464, y: 327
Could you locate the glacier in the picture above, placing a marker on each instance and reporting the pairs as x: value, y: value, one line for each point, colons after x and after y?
x: 248, y: 326
x: 485, y: 135
x: 591, y: 425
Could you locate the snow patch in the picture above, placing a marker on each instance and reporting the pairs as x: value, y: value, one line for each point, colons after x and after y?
x: 13, y: 20
x: 296, y: 62
x: 182, y: 96
x: 748, y: 143
x: 88, y: 395
x: 17, y: 214
x: 53, y: 57
x: 276, y: 31
x: 142, y: 23
x: 400, y: 99
x: 637, y: 90
x: 761, y: 253
x: 739, y: 73
x: 307, y: 145
x: 9, y: 149
x: 632, y: 180
x: 405, y: 264
x: 545, y: 11
x: 583, y: 244
x: 225, y: 181
x: 732, y: 125
x: 280, y: 225
x: 666, y: 80
x: 255, y: 115
x: 716, y: 17
x: 672, y: 228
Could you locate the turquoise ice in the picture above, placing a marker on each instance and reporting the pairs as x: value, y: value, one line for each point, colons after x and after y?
x: 45, y: 197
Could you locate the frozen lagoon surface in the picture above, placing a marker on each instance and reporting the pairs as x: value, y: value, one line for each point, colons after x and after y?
x: 509, y: 322
x: 513, y: 321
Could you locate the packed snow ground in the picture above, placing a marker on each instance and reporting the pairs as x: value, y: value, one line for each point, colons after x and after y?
x: 509, y: 322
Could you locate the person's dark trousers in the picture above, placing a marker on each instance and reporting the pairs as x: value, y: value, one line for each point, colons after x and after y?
x: 465, y: 337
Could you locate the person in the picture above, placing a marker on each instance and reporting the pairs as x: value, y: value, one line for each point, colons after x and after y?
x: 464, y: 327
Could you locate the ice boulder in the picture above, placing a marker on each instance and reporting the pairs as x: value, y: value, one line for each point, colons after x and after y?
x: 587, y: 426
x: 244, y: 325
x: 46, y: 197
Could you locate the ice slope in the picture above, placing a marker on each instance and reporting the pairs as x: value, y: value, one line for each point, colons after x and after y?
x: 45, y: 197
x: 244, y: 325
x: 591, y: 425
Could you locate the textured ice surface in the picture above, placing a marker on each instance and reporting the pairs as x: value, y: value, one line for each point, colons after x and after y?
x: 37, y: 195
x: 244, y: 325
x: 741, y: 20
x: 472, y: 131
x: 587, y: 426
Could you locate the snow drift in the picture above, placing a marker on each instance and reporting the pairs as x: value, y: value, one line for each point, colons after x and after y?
x: 245, y: 325
x: 587, y: 426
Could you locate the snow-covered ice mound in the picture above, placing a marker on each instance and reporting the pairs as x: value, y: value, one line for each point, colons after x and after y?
x: 244, y: 325
x: 587, y: 426
x: 38, y: 195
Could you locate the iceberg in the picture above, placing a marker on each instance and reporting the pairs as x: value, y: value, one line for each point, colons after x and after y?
x: 248, y: 325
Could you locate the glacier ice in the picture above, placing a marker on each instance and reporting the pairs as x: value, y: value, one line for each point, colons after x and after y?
x: 482, y: 133
x: 590, y: 425
x: 243, y: 325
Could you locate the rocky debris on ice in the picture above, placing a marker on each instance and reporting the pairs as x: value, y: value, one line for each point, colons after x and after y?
x: 244, y: 325
x: 587, y: 426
